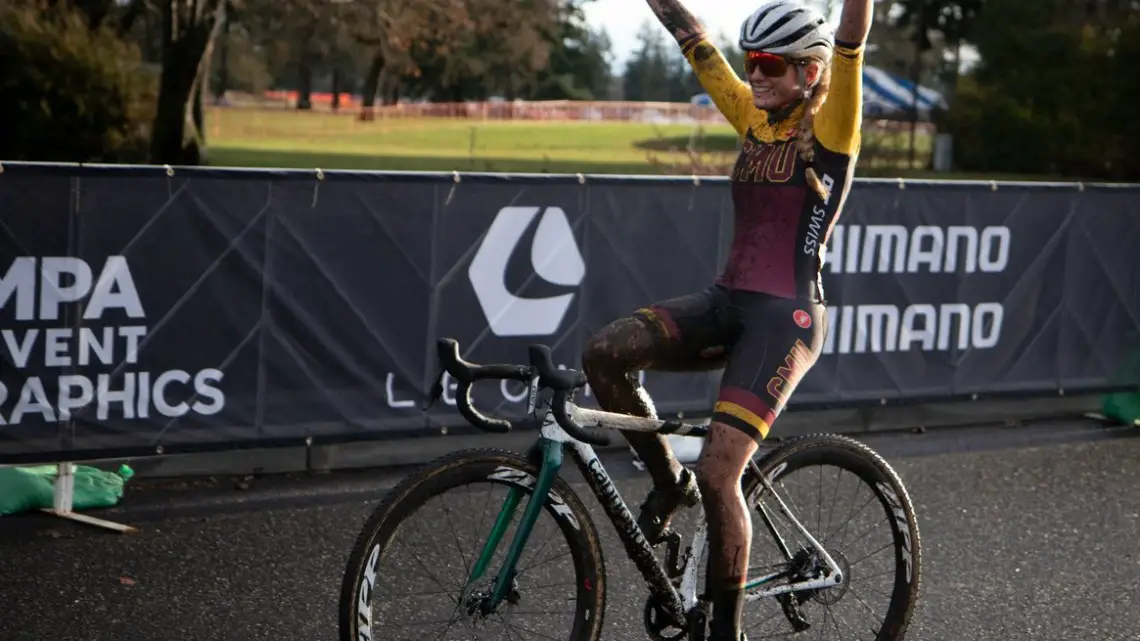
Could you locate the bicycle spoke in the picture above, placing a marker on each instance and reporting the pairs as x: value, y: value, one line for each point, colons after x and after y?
x: 863, y: 558
x: 831, y: 510
x: 819, y: 507
x: 865, y: 533
x: 837, y: 618
x: 840, y: 611
x: 850, y: 517
x: 455, y: 537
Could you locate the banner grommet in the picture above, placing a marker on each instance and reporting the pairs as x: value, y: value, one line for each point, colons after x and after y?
x: 451, y: 192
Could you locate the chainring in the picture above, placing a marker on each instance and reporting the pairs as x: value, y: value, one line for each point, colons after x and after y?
x: 656, y: 622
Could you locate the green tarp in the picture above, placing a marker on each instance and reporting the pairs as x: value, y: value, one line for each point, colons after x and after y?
x: 23, y: 489
x: 1124, y: 407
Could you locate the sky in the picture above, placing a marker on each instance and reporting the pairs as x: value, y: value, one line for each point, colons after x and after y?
x: 622, y: 19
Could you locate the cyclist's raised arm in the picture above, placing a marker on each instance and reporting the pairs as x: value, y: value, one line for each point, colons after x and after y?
x: 677, y: 20
x: 730, y: 94
x: 839, y: 120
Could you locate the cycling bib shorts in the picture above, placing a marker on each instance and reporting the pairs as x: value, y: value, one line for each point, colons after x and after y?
x: 765, y: 343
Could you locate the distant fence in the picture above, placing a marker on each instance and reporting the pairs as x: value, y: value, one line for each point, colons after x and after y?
x: 149, y: 311
x: 539, y: 110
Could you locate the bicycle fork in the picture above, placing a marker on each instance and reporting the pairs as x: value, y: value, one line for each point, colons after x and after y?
x: 551, y: 464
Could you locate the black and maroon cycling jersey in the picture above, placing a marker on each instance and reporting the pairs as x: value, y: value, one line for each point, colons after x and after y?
x: 766, y: 309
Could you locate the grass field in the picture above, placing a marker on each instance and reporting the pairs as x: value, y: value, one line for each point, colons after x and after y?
x: 292, y: 139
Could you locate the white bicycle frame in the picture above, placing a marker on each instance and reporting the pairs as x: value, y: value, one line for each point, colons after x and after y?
x: 607, y: 494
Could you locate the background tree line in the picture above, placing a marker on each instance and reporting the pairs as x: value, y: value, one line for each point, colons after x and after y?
x: 1051, y: 89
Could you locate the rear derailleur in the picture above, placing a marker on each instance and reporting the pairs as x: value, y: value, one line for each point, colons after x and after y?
x: 804, y: 566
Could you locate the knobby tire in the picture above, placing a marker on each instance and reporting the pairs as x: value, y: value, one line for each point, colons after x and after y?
x: 855, y: 457
x: 468, y: 467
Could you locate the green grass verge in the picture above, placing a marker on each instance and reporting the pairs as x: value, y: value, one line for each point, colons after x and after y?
x: 290, y: 139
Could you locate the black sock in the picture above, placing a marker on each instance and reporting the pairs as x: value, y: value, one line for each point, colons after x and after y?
x: 727, y: 605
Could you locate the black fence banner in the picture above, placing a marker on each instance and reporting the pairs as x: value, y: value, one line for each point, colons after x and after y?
x: 145, y: 311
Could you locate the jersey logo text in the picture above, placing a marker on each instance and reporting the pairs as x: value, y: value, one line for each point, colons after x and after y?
x: 815, y: 227
x: 766, y: 162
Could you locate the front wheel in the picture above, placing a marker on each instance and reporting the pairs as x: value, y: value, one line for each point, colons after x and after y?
x: 870, y: 532
x: 432, y: 579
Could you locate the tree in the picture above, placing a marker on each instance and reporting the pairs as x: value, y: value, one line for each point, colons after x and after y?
x: 1054, y: 90
x: 647, y: 74
x: 951, y: 20
x: 70, y: 91
x: 579, y: 67
x: 189, y: 29
x: 391, y: 30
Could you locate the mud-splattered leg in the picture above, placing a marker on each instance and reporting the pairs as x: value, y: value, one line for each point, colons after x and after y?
x: 611, y: 363
x: 723, y: 458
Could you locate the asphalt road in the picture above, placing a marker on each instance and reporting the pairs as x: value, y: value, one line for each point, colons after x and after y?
x: 1027, y: 533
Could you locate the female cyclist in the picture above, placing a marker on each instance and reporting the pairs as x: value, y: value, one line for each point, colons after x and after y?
x: 764, y: 319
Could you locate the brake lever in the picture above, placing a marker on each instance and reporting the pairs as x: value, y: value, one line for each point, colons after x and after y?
x: 436, y: 391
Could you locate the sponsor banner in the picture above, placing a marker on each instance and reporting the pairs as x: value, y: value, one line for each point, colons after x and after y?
x: 347, y: 291
x: 942, y: 291
x: 141, y: 311
x: 153, y: 335
x: 35, y: 224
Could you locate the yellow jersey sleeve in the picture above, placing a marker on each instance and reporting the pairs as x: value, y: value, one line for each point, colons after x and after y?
x: 729, y: 93
x: 838, y: 123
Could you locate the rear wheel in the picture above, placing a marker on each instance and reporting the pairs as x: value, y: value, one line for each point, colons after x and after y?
x: 875, y: 603
x: 459, y: 496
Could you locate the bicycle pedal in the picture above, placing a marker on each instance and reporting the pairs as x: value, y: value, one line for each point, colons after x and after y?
x: 672, y: 541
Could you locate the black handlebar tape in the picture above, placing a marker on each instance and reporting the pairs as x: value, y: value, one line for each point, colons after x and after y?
x: 476, y: 418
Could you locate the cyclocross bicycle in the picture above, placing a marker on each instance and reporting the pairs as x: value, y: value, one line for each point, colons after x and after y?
x: 808, y: 574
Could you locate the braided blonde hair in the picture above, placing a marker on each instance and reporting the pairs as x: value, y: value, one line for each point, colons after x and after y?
x: 804, y: 144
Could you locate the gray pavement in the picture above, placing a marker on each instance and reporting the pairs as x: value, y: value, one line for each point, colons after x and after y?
x: 1028, y: 533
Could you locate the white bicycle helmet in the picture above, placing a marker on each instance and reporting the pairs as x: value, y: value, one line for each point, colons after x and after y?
x: 790, y: 28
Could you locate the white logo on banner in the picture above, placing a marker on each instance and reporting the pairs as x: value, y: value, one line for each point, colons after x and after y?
x: 884, y: 249
x: 65, y: 280
x: 555, y: 256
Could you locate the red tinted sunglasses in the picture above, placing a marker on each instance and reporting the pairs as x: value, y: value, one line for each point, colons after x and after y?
x: 769, y: 64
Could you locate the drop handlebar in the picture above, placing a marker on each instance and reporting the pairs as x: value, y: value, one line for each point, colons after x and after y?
x: 564, y: 383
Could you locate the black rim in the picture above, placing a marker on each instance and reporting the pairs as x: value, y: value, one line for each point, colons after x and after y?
x: 883, y: 492
x: 469, y: 475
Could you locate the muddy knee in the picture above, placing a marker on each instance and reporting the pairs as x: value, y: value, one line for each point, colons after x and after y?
x: 611, y: 360
x: 715, y: 478
x: 595, y: 359
x: 723, y: 458
x: 617, y: 350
